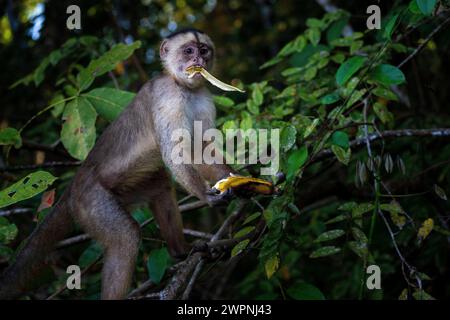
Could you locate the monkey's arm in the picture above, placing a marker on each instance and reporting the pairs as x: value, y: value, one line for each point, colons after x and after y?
x: 185, y: 174
x: 216, y: 171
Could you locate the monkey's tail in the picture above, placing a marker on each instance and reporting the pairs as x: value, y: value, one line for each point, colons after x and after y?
x: 31, y: 259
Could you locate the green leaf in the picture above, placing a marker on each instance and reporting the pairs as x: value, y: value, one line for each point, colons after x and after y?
x: 109, y: 102
x: 330, y: 235
x: 105, y: 63
x: 426, y: 6
x: 348, y: 206
x: 339, y: 218
x: 305, y: 291
x: 340, y: 138
x: 10, y: 136
x: 239, y: 247
x: 26, y: 188
x: 361, y: 208
x: 78, y: 130
x: 313, y: 35
x: 271, y: 62
x: 59, y: 105
x: 359, y: 235
x: 422, y: 295
x: 247, y: 121
x: 359, y: 248
x: 440, y: 192
x: 252, y: 217
x: 296, y: 159
x: 325, y: 251
x: 310, y: 129
x: 157, y: 264
x: 271, y: 265
x: 341, y: 154
x: 288, y: 137
x: 244, y: 231
x: 228, y: 125
x: 388, y: 74
x: 348, y: 69
x: 90, y: 255
x: 330, y: 98
x: 390, y: 27
x: 8, y: 231
x: 385, y: 93
x: 39, y: 73
x: 257, y: 96
x: 382, y: 112
x: 310, y: 73
x: 223, y: 101
x: 252, y: 107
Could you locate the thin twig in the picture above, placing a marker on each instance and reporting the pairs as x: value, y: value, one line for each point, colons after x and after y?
x: 54, y: 164
x: 424, y: 43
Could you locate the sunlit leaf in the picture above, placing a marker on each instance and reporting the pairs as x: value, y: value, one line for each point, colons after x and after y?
x: 237, y: 249
x: 271, y: 266
x: 26, y: 188
x: 78, y: 131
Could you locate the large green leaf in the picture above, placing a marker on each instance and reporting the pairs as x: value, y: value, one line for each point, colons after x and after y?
x: 26, y: 188
x: 78, y: 130
x: 296, y: 159
x: 10, y: 136
x: 387, y: 74
x: 109, y: 102
x: 426, y: 6
x: 340, y: 138
x: 105, y: 63
x: 305, y: 291
x: 157, y: 264
x: 348, y: 69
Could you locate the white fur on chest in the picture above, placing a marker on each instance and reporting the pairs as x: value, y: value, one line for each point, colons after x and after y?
x: 179, y: 111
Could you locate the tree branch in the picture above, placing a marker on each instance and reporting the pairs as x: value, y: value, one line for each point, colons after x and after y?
x: 359, y: 142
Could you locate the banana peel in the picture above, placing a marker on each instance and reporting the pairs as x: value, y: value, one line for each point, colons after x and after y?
x: 241, y: 185
x: 193, y: 70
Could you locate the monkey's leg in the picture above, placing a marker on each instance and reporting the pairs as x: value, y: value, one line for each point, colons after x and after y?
x: 101, y: 215
x: 168, y: 216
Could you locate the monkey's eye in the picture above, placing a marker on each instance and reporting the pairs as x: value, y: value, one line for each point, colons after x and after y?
x: 188, y: 51
x: 203, y: 51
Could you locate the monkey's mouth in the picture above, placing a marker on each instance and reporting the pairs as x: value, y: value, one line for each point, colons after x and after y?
x: 194, y: 71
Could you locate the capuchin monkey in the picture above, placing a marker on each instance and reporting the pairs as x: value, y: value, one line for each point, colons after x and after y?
x: 131, y: 164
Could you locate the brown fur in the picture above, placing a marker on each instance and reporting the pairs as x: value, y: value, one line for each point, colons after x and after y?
x: 127, y: 167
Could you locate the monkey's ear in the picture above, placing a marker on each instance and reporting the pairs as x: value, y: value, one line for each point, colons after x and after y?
x: 163, y: 49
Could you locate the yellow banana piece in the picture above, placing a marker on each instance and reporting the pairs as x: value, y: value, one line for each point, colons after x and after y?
x: 241, y: 183
x: 192, y: 70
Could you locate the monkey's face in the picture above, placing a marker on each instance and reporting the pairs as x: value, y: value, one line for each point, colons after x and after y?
x: 184, y: 51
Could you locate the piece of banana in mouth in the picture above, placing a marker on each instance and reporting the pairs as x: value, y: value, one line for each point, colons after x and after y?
x: 193, y: 70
